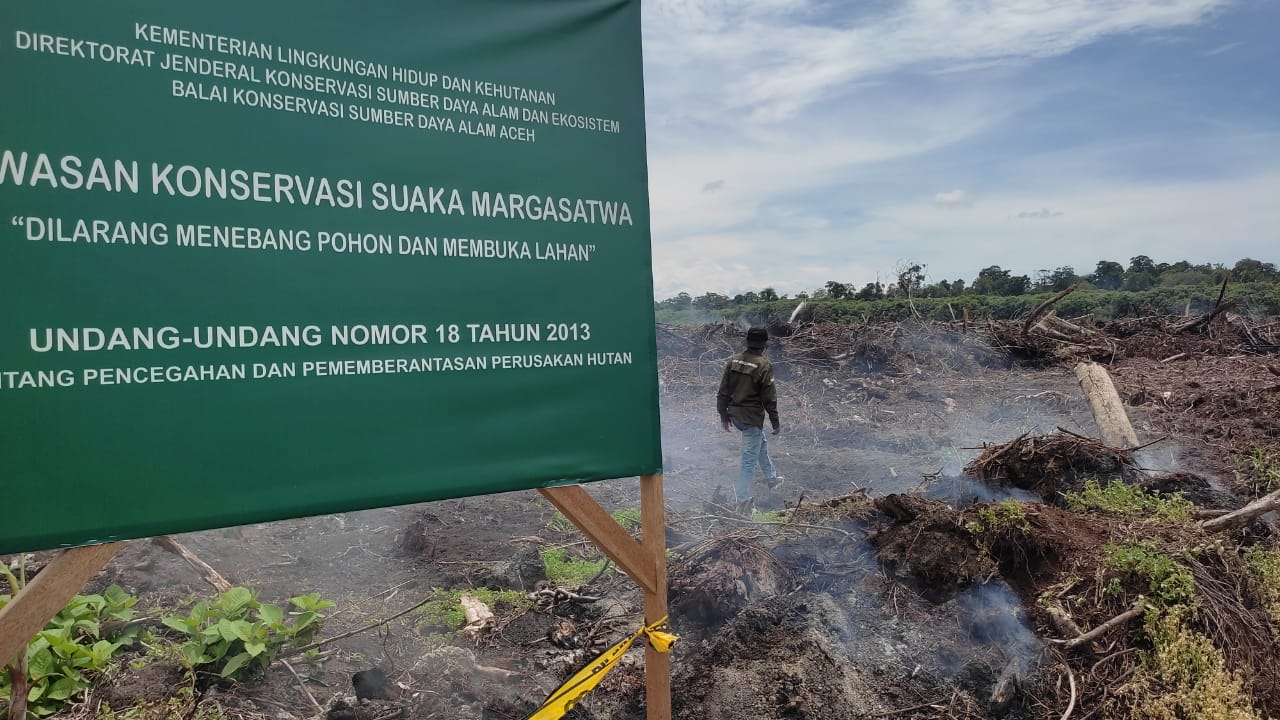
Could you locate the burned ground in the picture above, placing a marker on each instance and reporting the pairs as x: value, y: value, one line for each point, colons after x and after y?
x: 918, y: 562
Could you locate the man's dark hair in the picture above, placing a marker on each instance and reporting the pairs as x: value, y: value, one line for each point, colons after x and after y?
x: 757, y: 337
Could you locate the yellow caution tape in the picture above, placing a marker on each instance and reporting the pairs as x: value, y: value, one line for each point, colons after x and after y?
x: 585, y: 680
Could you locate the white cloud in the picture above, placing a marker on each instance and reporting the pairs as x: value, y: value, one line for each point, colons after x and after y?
x: 762, y: 115
x: 772, y: 59
x: 1222, y: 49
x: 954, y: 198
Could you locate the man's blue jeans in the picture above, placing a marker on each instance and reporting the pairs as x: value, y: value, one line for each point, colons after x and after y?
x: 755, y: 451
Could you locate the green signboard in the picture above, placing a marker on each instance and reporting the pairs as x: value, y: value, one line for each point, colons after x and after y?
x: 272, y: 259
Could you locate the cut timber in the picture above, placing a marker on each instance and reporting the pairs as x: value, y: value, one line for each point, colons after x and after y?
x: 1245, y: 515
x: 1104, y: 403
x: 30, y: 610
x: 1062, y: 622
x: 211, y: 576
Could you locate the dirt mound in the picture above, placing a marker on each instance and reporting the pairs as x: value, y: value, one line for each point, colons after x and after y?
x: 787, y: 657
x: 1204, y: 492
x: 720, y: 577
x: 927, y: 546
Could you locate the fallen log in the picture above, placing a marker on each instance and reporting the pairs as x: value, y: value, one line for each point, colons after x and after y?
x: 1104, y: 402
x: 211, y: 576
x: 1237, y: 519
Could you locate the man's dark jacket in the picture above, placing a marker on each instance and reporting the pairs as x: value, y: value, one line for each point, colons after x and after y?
x: 747, y: 391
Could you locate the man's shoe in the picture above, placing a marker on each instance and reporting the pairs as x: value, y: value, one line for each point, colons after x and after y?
x: 775, y: 482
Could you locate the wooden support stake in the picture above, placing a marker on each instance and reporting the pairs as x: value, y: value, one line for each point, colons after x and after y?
x: 600, y: 527
x: 645, y: 562
x: 50, y: 591
x: 653, y: 529
x: 1104, y: 403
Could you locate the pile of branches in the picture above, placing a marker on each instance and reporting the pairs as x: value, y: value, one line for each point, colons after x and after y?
x: 1049, y: 464
x: 1044, y: 337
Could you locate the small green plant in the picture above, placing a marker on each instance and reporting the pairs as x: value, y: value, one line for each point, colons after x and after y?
x: 63, y: 657
x: 237, y: 637
x: 997, y: 517
x: 628, y: 518
x: 1265, y: 565
x: 566, y: 571
x: 1123, y: 499
x: 1171, y: 582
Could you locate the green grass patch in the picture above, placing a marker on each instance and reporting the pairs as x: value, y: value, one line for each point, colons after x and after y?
x: 568, y: 571
x: 628, y: 518
x: 998, y: 517
x: 443, y: 611
x: 560, y: 523
x: 1121, y: 498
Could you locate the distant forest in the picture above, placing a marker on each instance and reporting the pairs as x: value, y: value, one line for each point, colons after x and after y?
x: 1112, y: 290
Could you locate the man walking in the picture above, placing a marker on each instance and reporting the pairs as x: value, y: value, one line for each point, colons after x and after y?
x: 746, y: 395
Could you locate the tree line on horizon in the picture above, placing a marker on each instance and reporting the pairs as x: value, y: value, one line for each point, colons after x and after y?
x: 1111, y: 289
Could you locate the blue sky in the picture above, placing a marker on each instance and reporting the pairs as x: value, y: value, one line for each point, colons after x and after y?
x: 793, y: 142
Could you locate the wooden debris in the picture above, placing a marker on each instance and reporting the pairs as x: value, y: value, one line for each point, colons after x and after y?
x: 211, y: 576
x: 1045, y: 463
x: 480, y: 619
x: 1203, y: 320
x: 1133, y: 613
x: 548, y: 595
x: 1043, y: 307
x: 1239, y: 518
